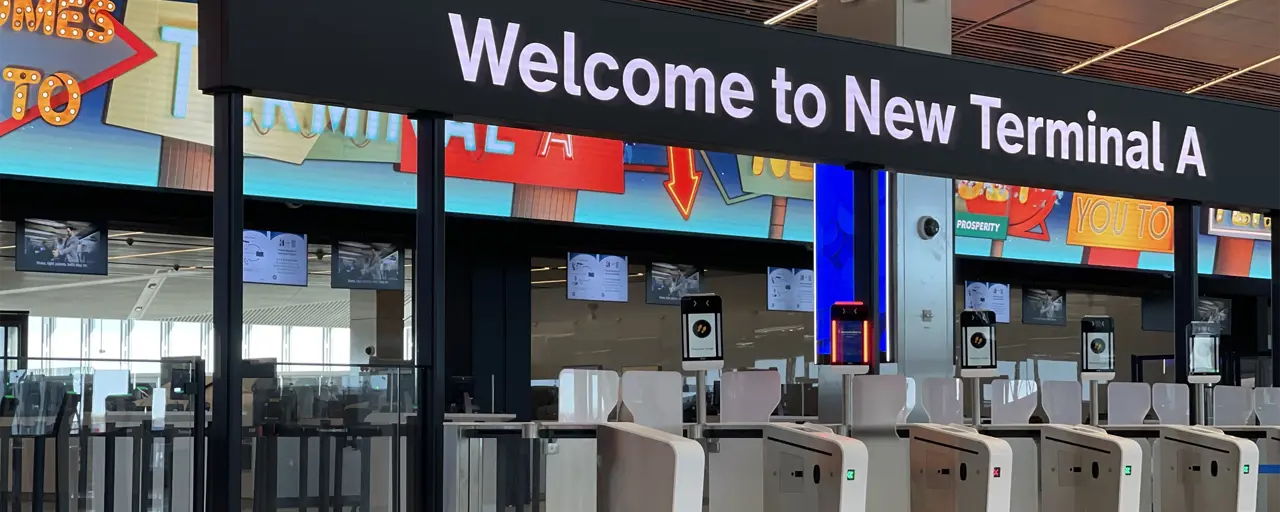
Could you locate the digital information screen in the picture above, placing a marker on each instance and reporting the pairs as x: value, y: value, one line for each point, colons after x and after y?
x: 600, y: 277
x: 791, y: 289
x: 367, y: 266
x: 665, y: 283
x: 64, y: 247
x: 272, y: 257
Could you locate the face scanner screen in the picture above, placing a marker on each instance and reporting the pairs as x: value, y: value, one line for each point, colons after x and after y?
x: 849, y: 337
x: 701, y: 332
x: 1204, y: 354
x: 979, y: 348
x: 1098, y: 351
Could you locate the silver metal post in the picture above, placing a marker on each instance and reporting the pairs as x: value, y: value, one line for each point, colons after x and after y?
x: 1200, y: 404
x: 846, y: 399
x: 1093, y: 403
x: 493, y: 394
x: 975, y: 405
x: 700, y: 381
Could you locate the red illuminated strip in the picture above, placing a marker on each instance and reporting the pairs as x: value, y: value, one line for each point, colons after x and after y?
x: 866, y: 343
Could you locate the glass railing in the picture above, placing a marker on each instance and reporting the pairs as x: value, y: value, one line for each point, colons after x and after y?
x: 91, y: 435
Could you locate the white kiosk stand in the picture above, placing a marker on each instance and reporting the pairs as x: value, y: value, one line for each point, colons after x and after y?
x: 953, y: 467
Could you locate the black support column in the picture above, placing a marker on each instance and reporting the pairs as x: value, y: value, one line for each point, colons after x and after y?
x: 429, y: 317
x: 228, y: 299
x: 867, y: 240
x: 1186, y: 280
x: 1275, y: 300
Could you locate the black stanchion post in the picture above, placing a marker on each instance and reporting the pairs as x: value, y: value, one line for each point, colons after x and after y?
x: 428, y: 316
x: 37, y: 473
x: 198, y: 440
x: 228, y: 263
x: 339, y: 454
x: 145, y: 457
x: 19, y: 445
x: 82, y: 475
x: 166, y: 498
x: 366, y: 487
x: 304, y: 455
x: 323, y: 438
x: 61, y: 465
x: 109, y: 469
x: 5, y: 451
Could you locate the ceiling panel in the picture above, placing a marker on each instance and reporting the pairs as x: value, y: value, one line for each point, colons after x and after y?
x: 1056, y: 34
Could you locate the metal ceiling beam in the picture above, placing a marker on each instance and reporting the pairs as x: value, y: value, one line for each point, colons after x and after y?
x: 969, y: 29
x: 1231, y: 75
x: 1148, y: 37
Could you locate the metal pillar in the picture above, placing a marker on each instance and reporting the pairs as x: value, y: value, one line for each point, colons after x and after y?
x: 428, y: 316
x: 866, y: 241
x: 228, y: 299
x: 1186, y: 293
x: 1275, y: 297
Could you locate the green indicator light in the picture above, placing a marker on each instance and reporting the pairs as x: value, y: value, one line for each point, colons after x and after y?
x: 1128, y: 470
x: 1246, y: 469
x: 848, y: 474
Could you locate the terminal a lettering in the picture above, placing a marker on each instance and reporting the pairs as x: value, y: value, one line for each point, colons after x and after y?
x: 1137, y: 150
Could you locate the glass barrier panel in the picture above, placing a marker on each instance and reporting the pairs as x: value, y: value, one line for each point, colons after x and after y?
x: 1013, y: 401
x: 1172, y: 403
x: 1232, y: 405
x: 1061, y: 401
x: 1128, y: 403
x: 942, y: 400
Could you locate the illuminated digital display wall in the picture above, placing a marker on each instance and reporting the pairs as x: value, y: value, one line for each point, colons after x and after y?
x: 152, y: 127
x: 1000, y: 221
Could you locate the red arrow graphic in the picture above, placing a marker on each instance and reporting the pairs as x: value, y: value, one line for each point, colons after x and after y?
x: 682, y: 185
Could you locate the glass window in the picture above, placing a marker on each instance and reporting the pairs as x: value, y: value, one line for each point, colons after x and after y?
x: 306, y: 345
x: 265, y: 342
x: 339, y: 348
x: 66, y: 340
x: 106, y: 346
x: 144, y: 346
x: 184, y: 338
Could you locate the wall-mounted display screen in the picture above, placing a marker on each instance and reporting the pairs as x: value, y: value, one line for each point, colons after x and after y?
x: 665, y: 283
x: 61, y: 246
x: 989, y: 296
x: 597, y: 277
x: 1052, y: 226
x: 1158, y: 314
x: 142, y: 121
x: 363, y: 266
x: 791, y: 289
x: 273, y: 257
x: 1044, y: 306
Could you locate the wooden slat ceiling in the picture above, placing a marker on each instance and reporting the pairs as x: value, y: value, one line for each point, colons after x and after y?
x: 995, y: 42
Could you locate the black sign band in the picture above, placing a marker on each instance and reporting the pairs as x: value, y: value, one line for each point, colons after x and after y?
x: 648, y: 74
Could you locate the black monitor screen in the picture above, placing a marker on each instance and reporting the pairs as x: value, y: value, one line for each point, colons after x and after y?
x: 65, y: 247
x: 364, y: 266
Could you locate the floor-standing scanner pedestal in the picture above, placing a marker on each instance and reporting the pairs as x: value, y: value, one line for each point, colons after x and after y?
x: 953, y: 467
x: 1202, y: 468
